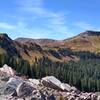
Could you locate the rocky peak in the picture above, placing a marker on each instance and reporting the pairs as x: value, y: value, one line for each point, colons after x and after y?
x: 5, y: 40
x: 90, y: 33
x: 8, y: 44
x: 3, y: 35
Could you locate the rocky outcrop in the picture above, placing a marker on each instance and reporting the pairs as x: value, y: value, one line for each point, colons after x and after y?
x: 6, y: 73
x: 90, y: 33
x: 47, y: 88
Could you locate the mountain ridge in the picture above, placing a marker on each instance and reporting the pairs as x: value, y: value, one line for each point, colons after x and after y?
x: 85, y: 41
x: 87, y: 38
x: 90, y: 33
x: 29, y: 48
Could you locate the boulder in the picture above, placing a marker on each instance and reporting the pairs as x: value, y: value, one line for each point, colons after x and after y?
x: 8, y: 70
x: 52, y: 82
x: 25, y: 89
x: 11, y: 85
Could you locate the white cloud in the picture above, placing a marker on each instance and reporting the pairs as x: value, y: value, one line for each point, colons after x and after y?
x: 6, y: 25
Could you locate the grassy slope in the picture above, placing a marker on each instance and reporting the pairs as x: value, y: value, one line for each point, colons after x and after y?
x: 89, y: 43
x: 79, y: 43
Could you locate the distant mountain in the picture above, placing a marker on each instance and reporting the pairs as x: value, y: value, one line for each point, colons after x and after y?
x: 29, y: 49
x: 85, y: 41
x: 39, y: 41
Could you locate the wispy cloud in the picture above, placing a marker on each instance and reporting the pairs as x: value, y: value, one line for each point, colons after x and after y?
x: 31, y: 6
x: 28, y: 32
x: 86, y: 26
x: 58, y: 24
x: 54, y: 22
x: 6, y: 25
x: 35, y: 21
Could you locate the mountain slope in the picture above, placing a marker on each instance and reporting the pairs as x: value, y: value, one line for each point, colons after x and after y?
x: 86, y: 41
x: 7, y: 45
x: 29, y: 50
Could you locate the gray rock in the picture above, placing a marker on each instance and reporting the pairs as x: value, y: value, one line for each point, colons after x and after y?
x: 25, y: 89
x: 8, y: 70
x: 50, y: 89
x: 11, y: 85
x: 51, y: 81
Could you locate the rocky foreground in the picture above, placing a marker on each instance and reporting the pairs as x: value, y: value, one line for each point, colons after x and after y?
x: 13, y: 87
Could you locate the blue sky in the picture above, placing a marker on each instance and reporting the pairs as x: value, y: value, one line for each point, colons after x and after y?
x: 55, y: 19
